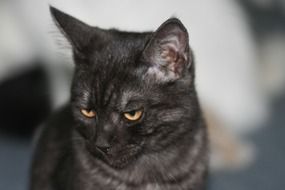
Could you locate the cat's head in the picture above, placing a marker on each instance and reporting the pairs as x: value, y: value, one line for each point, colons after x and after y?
x: 132, y: 93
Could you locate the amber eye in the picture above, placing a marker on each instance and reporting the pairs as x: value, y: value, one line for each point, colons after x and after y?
x: 133, y: 115
x: 88, y: 113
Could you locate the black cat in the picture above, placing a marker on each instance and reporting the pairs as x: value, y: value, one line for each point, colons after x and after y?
x: 133, y: 122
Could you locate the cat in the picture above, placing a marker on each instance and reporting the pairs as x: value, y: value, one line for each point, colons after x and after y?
x: 133, y: 121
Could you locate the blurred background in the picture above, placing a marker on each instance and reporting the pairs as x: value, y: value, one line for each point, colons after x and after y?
x: 239, y: 48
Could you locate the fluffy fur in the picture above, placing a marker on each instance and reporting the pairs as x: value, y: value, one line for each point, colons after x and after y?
x: 118, y: 72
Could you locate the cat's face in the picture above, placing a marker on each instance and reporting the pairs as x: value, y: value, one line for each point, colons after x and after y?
x: 131, y: 91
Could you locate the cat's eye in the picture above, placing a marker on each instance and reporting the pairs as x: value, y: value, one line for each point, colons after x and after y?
x: 133, y: 115
x: 88, y: 113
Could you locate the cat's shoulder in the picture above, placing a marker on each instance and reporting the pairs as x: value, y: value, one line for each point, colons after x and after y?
x: 51, y: 144
x: 56, y: 128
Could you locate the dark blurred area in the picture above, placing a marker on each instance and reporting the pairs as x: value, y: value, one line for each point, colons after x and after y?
x: 267, y: 171
x: 267, y: 19
x: 30, y: 90
x: 25, y: 102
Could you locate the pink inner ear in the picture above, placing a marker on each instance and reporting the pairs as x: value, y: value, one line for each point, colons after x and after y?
x: 172, y: 55
x: 170, y: 49
x: 169, y: 55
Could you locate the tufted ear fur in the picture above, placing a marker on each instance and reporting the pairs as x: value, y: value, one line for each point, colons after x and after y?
x: 168, y: 51
x: 77, y: 33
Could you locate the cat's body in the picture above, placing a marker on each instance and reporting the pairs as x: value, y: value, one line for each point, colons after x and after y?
x: 134, y: 120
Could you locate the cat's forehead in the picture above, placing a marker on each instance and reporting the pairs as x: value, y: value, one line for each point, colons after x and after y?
x: 117, y: 60
x: 112, y: 82
x: 113, y: 90
x: 117, y: 46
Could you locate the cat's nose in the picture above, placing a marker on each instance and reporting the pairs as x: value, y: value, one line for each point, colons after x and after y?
x: 102, y: 144
x: 103, y: 149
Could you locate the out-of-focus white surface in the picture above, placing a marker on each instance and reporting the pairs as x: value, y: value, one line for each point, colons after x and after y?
x: 14, y: 44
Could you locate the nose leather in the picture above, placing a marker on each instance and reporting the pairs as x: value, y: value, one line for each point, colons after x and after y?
x: 103, y: 149
x: 102, y: 144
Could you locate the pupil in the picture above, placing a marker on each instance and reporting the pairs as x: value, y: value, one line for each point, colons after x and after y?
x: 132, y: 113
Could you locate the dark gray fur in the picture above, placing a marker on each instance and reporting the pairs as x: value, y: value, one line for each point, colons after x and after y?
x: 118, y: 72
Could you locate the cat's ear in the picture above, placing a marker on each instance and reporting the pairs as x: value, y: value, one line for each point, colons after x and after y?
x: 76, y: 32
x: 168, y: 51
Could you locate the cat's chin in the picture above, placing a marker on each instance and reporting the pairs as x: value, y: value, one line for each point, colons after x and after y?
x: 119, y: 159
x: 120, y: 163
